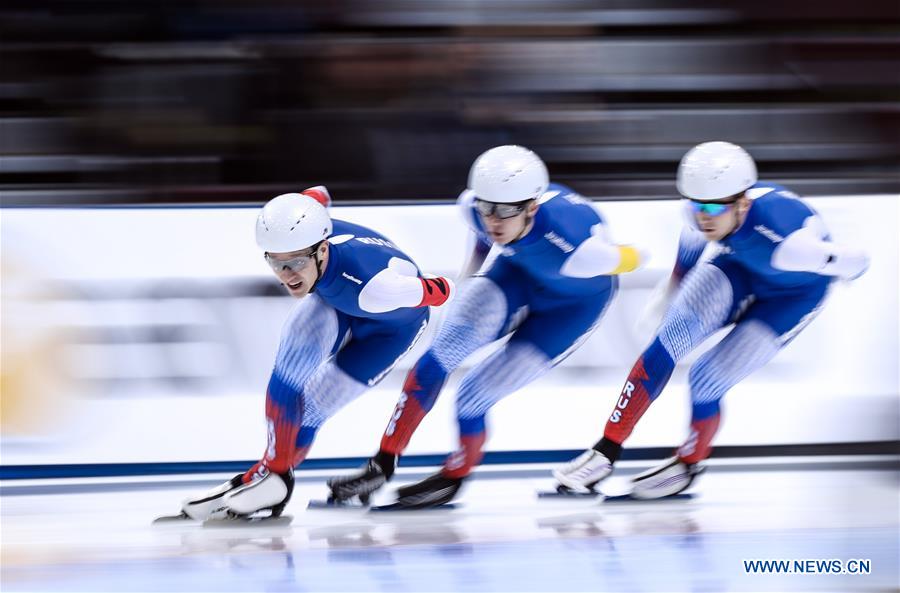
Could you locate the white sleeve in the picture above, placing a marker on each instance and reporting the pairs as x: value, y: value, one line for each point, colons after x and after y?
x: 478, y: 245
x: 464, y: 203
x: 596, y: 256
x: 806, y: 250
x: 395, y: 287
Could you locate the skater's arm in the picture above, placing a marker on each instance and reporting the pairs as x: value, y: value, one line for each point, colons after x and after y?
x: 596, y: 256
x: 319, y: 193
x: 806, y: 250
x: 478, y: 252
x: 478, y: 244
x: 393, y: 289
x: 691, y: 244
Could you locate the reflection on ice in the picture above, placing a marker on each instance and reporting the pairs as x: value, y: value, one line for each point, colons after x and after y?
x: 502, y: 538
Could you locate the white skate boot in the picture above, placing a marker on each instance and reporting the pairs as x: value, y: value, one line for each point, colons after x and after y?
x: 269, y: 493
x: 671, y: 477
x: 209, y: 504
x: 584, y: 472
x: 236, y: 499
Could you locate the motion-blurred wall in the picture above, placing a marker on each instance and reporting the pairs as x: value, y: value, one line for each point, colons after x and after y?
x: 148, y: 335
x: 124, y: 337
x: 103, y: 101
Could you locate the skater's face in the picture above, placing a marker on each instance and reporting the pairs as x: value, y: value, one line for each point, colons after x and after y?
x: 506, y: 223
x: 719, y: 219
x: 297, y: 269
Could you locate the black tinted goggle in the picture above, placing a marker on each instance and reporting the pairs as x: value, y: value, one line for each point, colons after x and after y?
x: 500, y: 210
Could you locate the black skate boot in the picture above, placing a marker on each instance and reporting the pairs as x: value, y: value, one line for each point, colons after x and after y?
x: 433, y: 491
x: 377, y: 471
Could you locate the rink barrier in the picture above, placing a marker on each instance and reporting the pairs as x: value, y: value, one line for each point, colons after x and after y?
x: 97, y: 470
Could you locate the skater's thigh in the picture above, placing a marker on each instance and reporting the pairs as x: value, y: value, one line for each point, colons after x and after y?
x: 709, y: 298
x: 487, y: 308
x: 374, y: 348
x: 312, y: 332
x: 559, y: 330
x: 787, y: 316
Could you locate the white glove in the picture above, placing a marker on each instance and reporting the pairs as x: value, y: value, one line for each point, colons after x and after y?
x: 851, y: 264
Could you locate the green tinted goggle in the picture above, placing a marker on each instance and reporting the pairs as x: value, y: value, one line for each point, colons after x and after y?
x: 710, y: 208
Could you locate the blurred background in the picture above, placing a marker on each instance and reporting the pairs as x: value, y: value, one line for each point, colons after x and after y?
x: 137, y: 138
x: 109, y: 102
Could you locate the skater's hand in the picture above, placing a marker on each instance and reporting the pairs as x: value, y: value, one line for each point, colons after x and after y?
x: 436, y: 291
x: 320, y: 194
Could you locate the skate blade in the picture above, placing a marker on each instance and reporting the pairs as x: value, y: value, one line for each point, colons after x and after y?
x: 630, y: 499
x: 564, y: 492
x: 330, y: 504
x: 169, y: 519
x: 251, y: 521
x: 397, y: 507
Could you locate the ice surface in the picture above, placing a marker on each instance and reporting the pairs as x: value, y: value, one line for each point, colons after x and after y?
x: 98, y: 537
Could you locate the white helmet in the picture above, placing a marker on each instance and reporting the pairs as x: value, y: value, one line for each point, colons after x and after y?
x: 508, y: 174
x: 291, y: 222
x: 715, y: 170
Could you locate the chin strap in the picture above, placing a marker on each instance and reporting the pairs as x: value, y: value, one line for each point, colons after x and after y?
x: 525, y: 229
x: 315, y: 255
x: 739, y: 222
